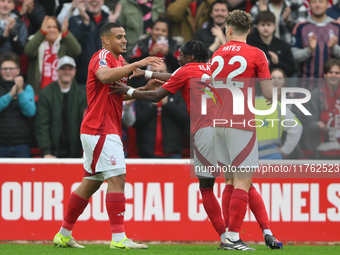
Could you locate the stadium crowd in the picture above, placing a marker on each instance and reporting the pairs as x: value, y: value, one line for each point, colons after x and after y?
x: 46, y: 47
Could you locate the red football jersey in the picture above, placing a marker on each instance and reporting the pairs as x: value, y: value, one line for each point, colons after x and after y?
x: 104, y: 111
x: 187, y: 79
x: 235, y: 67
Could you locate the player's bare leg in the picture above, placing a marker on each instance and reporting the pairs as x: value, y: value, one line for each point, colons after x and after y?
x: 115, y: 206
x: 211, y: 206
x: 87, y: 188
x: 76, y: 205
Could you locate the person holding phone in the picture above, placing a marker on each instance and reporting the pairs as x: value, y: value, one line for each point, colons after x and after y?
x: 158, y: 44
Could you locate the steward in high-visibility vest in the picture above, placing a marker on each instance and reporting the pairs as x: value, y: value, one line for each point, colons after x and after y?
x: 269, y: 130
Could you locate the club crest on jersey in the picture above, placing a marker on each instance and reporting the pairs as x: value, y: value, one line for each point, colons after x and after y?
x: 113, y: 160
x: 102, y: 62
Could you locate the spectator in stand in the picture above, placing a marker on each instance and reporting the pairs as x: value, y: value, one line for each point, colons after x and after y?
x: 44, y: 49
x: 110, y: 5
x: 324, y: 106
x: 315, y: 41
x: 269, y: 135
x: 158, y: 44
x: 16, y: 107
x: 60, y: 111
x: 138, y: 17
x: 334, y: 11
x: 213, y: 36
x: 287, y: 15
x: 159, y: 125
x: 31, y: 13
x: 85, y: 27
x: 278, y: 52
x: 244, y: 5
x: 67, y: 10
x: 187, y: 16
x: 13, y: 32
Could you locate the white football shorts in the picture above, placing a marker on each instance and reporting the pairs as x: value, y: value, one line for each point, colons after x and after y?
x: 204, y: 153
x: 235, y: 147
x: 103, y: 153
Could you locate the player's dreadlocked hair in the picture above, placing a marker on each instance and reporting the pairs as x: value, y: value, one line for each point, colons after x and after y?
x: 196, y: 48
x: 239, y: 20
x: 106, y: 28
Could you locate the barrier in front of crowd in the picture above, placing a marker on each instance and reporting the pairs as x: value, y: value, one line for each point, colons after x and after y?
x: 163, y: 203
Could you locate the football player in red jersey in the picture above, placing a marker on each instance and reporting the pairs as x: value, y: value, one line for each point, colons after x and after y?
x: 193, y: 73
x: 101, y: 140
x: 235, y: 67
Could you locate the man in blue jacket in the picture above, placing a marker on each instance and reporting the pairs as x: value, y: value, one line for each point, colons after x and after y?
x: 16, y: 107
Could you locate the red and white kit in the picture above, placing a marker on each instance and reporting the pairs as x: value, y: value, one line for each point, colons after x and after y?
x: 187, y: 79
x: 101, y: 128
x: 235, y: 66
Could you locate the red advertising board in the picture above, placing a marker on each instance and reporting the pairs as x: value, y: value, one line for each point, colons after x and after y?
x: 162, y: 203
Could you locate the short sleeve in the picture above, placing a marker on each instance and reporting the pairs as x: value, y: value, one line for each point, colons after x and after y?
x: 262, y: 66
x: 103, y: 59
x: 177, y: 80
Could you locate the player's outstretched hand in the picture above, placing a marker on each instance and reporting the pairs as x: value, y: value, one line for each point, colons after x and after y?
x: 152, y: 84
x: 119, y: 87
x: 137, y: 73
x: 154, y: 61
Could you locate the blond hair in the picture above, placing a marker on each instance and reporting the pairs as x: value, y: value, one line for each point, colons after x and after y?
x: 239, y: 20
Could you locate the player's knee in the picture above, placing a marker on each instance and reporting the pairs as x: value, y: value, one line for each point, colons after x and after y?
x: 242, y: 183
x: 116, y: 183
x: 229, y: 181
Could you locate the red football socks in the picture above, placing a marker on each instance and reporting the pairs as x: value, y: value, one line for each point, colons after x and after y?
x: 115, y: 206
x: 258, y: 208
x: 237, y: 209
x: 213, y: 209
x: 76, y: 206
x: 226, y: 196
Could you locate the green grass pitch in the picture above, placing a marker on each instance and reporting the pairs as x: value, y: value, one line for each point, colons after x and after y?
x: 47, y: 249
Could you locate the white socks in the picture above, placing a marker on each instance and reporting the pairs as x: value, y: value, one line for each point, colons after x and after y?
x: 267, y: 232
x: 65, y: 232
x: 223, y: 237
x: 233, y: 236
x: 117, y: 237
